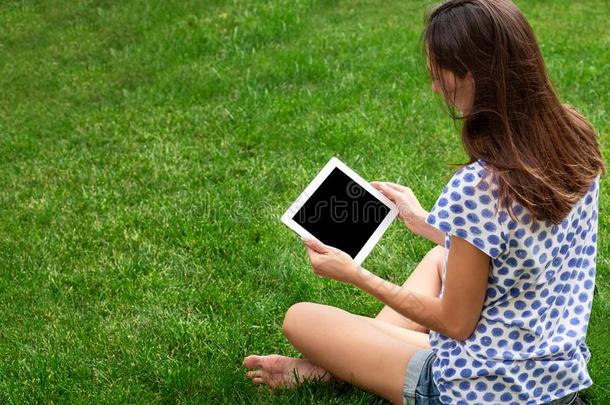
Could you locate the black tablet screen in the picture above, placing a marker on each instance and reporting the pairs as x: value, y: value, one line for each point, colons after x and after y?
x: 341, y: 213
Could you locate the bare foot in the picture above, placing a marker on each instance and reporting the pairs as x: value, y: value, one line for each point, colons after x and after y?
x: 281, y: 371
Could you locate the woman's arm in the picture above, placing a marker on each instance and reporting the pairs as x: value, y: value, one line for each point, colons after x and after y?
x: 457, y: 313
x: 427, y: 231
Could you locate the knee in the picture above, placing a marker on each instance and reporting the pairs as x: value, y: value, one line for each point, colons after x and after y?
x: 437, y: 255
x: 437, y: 251
x: 297, y: 317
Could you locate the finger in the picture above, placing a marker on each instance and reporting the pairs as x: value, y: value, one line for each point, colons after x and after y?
x: 396, y: 187
x: 254, y: 374
x: 376, y: 184
x: 258, y: 381
x: 313, y: 257
x: 316, y: 245
x: 390, y: 192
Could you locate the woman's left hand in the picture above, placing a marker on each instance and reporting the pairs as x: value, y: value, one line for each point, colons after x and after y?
x: 330, y: 262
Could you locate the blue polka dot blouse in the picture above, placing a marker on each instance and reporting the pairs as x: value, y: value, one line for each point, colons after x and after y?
x: 529, y: 345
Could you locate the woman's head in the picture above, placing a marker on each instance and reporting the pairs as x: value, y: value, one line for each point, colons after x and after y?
x: 484, y: 59
x: 457, y: 91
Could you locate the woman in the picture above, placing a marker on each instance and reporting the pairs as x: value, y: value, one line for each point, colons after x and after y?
x: 498, y: 311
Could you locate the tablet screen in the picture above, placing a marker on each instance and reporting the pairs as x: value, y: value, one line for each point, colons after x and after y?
x: 341, y: 213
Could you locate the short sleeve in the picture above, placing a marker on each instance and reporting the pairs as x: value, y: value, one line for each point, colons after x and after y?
x: 467, y: 208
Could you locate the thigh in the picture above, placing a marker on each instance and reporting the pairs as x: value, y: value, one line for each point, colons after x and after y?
x: 350, y: 348
x: 426, y: 279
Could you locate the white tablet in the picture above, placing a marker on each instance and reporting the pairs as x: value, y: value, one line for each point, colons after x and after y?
x: 341, y: 209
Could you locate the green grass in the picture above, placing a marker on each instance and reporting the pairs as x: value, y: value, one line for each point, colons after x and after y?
x: 148, y: 148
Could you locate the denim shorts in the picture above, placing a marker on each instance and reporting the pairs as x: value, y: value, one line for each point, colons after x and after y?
x: 418, y: 386
x: 420, y: 389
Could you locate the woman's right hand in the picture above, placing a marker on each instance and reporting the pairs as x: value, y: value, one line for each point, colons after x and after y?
x: 410, y: 210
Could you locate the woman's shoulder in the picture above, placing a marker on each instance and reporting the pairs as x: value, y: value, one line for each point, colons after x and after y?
x: 467, y: 208
x: 473, y: 178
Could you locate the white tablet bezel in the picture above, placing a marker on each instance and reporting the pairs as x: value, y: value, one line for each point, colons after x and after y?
x: 313, y: 186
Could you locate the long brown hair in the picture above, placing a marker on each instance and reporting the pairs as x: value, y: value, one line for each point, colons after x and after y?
x: 545, y: 154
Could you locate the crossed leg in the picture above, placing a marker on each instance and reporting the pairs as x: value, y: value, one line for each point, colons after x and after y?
x: 426, y: 279
x: 371, y: 353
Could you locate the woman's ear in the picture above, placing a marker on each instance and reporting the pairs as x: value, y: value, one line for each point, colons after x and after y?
x: 471, y: 82
x: 470, y: 78
x: 468, y: 90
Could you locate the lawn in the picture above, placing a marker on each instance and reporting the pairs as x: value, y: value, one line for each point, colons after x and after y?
x: 148, y: 149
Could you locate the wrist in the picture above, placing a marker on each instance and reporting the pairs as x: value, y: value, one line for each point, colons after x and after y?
x: 418, y: 223
x: 361, y: 277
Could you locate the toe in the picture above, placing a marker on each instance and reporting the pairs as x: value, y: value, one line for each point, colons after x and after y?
x: 252, y: 361
x: 254, y: 374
